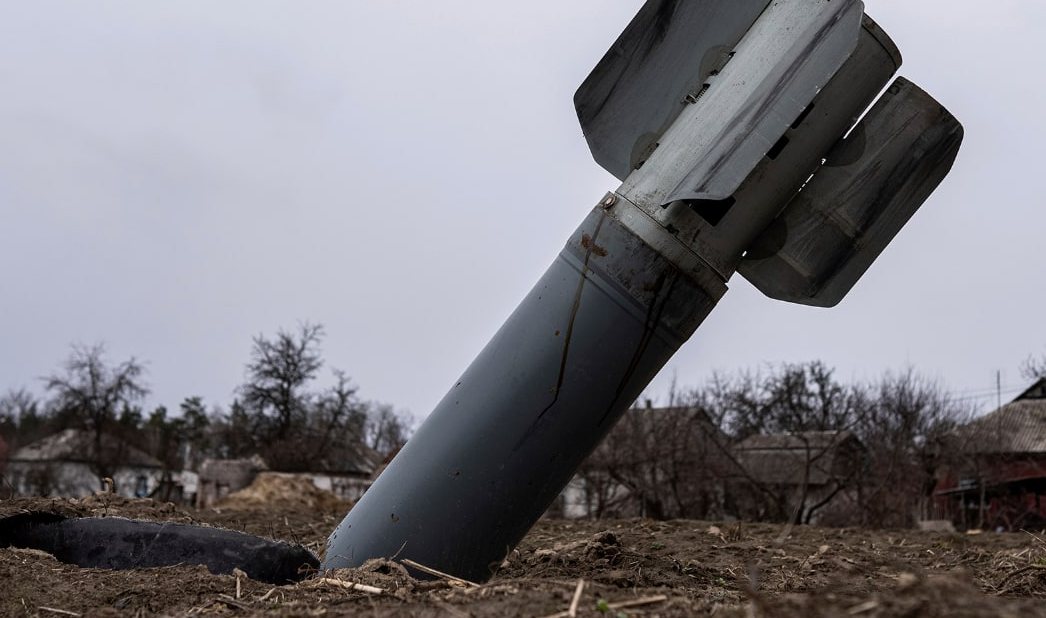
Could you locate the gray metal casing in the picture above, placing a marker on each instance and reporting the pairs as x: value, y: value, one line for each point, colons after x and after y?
x: 498, y: 449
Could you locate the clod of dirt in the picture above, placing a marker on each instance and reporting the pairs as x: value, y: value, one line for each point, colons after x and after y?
x: 600, y: 546
x: 599, y: 551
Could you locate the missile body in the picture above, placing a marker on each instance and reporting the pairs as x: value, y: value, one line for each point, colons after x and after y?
x: 725, y: 120
x: 506, y: 439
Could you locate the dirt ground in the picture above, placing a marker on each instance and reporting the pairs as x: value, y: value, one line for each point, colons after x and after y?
x: 629, y: 568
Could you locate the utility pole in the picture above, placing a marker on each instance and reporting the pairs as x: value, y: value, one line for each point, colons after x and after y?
x: 998, y: 389
x: 725, y: 121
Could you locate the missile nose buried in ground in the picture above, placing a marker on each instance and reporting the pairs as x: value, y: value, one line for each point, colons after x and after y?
x: 732, y: 125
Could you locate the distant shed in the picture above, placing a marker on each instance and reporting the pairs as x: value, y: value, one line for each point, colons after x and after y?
x: 218, y: 478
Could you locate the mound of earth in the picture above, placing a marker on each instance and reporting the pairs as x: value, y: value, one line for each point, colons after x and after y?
x: 279, y: 491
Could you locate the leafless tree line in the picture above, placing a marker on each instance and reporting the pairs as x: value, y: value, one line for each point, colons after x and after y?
x: 857, y: 454
x: 277, y: 412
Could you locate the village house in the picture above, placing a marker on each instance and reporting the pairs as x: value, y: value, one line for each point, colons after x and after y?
x: 656, y: 462
x: 795, y: 475
x: 997, y: 478
x: 64, y: 465
x: 348, y: 470
x: 347, y: 473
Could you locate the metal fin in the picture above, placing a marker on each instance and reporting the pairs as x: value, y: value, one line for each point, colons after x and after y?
x: 655, y: 69
x: 870, y: 186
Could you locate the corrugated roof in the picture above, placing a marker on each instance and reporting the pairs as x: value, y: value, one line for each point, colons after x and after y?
x: 813, y: 457
x: 78, y: 445
x: 1017, y: 427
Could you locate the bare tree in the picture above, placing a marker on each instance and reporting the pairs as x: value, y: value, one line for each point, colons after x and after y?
x: 21, y: 420
x: 18, y: 403
x: 812, y: 416
x: 663, y: 462
x: 90, y: 394
x: 1034, y: 367
x: 277, y: 376
x: 791, y: 398
x: 787, y: 444
x: 667, y: 460
x: 290, y: 423
x: 338, y: 417
x: 386, y: 429
x: 907, y: 424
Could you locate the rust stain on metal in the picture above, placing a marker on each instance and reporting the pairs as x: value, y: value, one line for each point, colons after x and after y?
x: 591, y: 247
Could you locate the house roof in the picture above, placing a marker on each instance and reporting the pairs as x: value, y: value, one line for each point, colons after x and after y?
x: 352, y: 458
x: 1017, y: 427
x: 78, y: 445
x: 813, y: 457
x: 1035, y: 391
x: 349, y: 457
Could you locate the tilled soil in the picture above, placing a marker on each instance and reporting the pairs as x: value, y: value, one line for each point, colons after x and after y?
x: 628, y: 568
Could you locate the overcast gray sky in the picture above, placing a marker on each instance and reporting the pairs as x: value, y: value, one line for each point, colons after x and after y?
x: 176, y: 177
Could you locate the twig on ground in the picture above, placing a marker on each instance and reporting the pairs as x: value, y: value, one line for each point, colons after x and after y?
x: 63, y: 612
x: 1034, y: 536
x: 238, y: 574
x: 350, y: 586
x: 1031, y: 567
x: 268, y: 594
x: 440, y: 574
x: 572, y: 612
x: 611, y: 606
x: 638, y: 602
x: 231, y: 602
